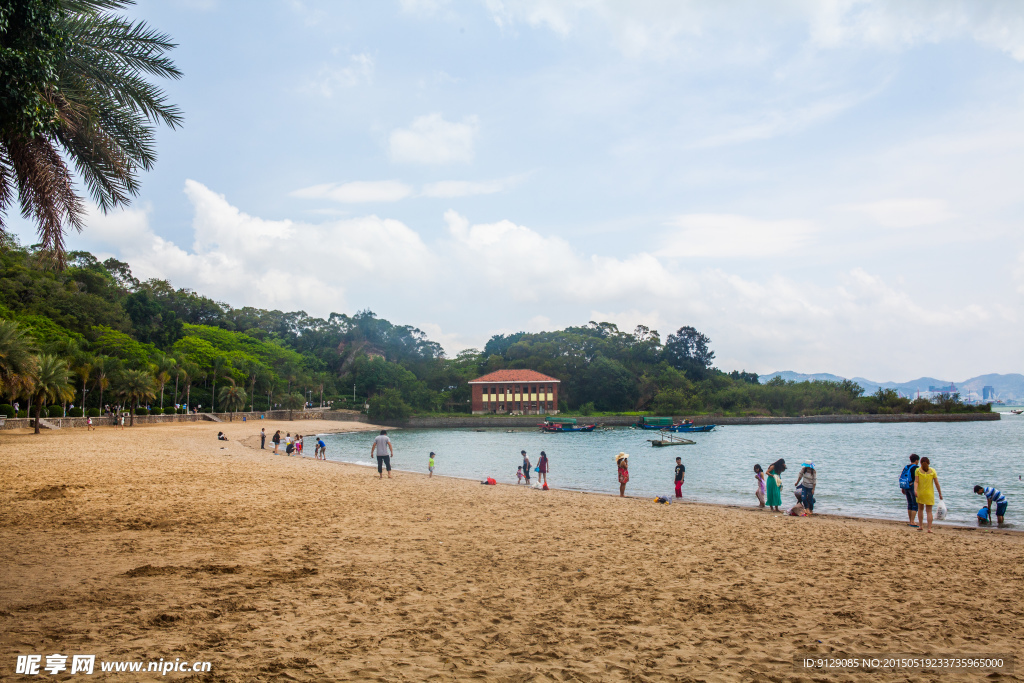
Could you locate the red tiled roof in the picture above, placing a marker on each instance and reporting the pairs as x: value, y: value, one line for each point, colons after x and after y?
x: 514, y: 376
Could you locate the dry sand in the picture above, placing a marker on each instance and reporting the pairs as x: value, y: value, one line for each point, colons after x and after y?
x: 159, y: 541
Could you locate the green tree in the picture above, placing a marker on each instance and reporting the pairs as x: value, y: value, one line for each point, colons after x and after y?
x: 17, y: 362
x: 165, y: 367
x: 232, y: 397
x: 52, y: 383
x: 136, y: 386
x: 388, y: 404
x: 76, y: 88
x: 218, y: 369
x: 292, y: 402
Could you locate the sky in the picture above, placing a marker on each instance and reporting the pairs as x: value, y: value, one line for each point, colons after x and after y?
x: 819, y: 186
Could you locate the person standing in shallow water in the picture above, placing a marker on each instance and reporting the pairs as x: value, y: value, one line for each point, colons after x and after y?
x: 809, y: 478
x: 382, y: 446
x: 622, y: 460
x: 542, y: 470
x: 774, y: 497
x: 760, y: 492
x: 526, y: 468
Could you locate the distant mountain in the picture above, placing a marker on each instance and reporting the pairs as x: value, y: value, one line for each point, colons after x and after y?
x: 1007, y: 387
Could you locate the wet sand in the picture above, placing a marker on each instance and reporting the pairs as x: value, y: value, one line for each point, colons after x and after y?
x: 159, y: 541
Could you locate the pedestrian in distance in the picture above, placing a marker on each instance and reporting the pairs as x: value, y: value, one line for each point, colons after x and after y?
x: 774, y: 497
x: 992, y: 495
x: 907, y: 486
x: 680, y: 476
x: 760, y: 492
x: 383, y: 450
x: 526, y: 468
x: 542, y: 470
x: 263, y: 439
x: 808, y: 476
x: 277, y: 440
x: 622, y: 461
x: 926, y: 483
x: 430, y: 465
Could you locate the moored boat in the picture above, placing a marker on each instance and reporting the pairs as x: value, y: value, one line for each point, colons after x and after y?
x: 564, y: 424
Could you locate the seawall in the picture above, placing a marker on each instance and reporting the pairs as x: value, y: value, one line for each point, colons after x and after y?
x: 495, y: 421
x: 71, y: 422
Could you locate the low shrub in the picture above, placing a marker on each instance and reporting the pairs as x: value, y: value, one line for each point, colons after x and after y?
x: 7, y: 410
x: 93, y: 412
x: 156, y: 411
x: 55, y: 411
x: 22, y: 413
x: 75, y: 412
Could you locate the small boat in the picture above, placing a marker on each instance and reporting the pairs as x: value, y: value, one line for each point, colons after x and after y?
x: 670, y: 439
x: 564, y: 424
x: 691, y: 428
x: 1017, y: 412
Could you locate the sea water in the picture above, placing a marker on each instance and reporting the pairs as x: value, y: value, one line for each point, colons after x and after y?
x: 858, y: 464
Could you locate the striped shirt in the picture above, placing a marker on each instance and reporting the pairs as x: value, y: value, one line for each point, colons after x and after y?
x: 995, y: 496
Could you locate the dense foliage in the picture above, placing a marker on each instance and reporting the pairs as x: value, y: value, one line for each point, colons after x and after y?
x: 146, y: 344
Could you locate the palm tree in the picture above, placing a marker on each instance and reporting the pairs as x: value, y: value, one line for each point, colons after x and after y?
x: 83, y: 369
x: 164, y: 368
x: 233, y: 397
x: 16, y: 358
x: 136, y: 385
x: 292, y: 401
x: 101, y: 367
x: 52, y: 382
x: 217, y: 369
x: 92, y: 106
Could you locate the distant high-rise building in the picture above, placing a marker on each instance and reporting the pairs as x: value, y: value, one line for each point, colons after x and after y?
x: 988, y: 394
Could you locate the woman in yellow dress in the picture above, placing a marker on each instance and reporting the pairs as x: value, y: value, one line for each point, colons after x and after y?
x: 924, y: 480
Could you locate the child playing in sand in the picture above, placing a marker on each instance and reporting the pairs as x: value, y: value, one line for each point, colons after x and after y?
x: 430, y: 465
x: 519, y: 475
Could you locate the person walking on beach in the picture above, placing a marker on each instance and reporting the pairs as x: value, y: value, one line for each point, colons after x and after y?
x: 430, y: 465
x: 809, y: 477
x: 907, y: 486
x: 263, y: 439
x: 774, y: 489
x: 992, y: 495
x: 759, y: 476
x: 622, y: 460
x: 680, y: 475
x: 277, y: 440
x: 926, y: 482
x: 383, y: 449
x: 526, y: 468
x: 542, y: 470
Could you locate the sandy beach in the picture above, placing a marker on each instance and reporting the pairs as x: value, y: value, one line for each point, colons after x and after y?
x: 161, y: 542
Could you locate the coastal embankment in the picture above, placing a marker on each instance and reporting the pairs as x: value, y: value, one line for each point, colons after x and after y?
x: 497, y: 421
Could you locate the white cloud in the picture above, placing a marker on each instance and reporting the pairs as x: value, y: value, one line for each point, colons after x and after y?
x: 357, y: 192
x: 662, y: 28
x: 904, y: 213
x: 845, y: 326
x: 724, y: 236
x: 432, y: 140
x: 331, y: 79
x: 445, y: 189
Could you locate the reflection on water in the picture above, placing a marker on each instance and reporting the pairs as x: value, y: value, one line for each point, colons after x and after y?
x: 858, y: 464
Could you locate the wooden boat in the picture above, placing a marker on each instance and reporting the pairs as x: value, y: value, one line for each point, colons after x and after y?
x: 670, y: 439
x: 691, y: 428
x: 665, y: 423
x: 564, y: 424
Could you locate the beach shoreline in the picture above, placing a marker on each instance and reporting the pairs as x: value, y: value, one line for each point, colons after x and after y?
x: 160, y: 541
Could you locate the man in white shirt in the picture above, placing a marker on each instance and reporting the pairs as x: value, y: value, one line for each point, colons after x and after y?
x: 382, y: 447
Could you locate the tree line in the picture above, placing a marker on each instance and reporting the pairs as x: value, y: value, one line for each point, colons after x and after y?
x: 93, y: 335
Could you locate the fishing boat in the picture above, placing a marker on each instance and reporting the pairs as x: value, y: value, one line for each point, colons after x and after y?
x: 564, y: 424
x: 691, y: 428
x: 665, y: 423
x: 670, y: 439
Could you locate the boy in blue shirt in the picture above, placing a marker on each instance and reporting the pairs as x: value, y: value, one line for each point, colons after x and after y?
x: 992, y: 495
x: 907, y: 486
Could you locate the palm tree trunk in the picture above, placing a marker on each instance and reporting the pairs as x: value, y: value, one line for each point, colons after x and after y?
x: 161, y: 395
x: 39, y: 409
x: 213, y: 397
x: 252, y: 396
x: 131, y: 420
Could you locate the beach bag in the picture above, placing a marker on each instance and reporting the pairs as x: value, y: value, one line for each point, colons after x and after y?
x: 940, y: 510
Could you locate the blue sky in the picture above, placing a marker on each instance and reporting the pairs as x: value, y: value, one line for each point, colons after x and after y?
x: 823, y: 186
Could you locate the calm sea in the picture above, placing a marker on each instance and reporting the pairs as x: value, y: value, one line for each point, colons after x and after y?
x: 858, y: 465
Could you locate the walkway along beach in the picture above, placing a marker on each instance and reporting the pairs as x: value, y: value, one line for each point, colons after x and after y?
x: 160, y: 541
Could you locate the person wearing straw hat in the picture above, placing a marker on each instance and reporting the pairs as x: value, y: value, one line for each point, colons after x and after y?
x: 622, y: 460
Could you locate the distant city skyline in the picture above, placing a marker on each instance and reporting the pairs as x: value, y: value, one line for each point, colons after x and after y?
x: 811, y: 184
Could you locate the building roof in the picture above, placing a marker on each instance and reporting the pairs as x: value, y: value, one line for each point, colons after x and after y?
x: 514, y: 376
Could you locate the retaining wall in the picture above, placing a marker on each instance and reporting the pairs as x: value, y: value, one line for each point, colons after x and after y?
x: 70, y: 422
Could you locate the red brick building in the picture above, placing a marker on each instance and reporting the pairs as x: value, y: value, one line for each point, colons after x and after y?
x: 515, y: 392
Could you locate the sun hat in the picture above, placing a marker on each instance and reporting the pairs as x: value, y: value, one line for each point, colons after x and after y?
x: 621, y: 456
